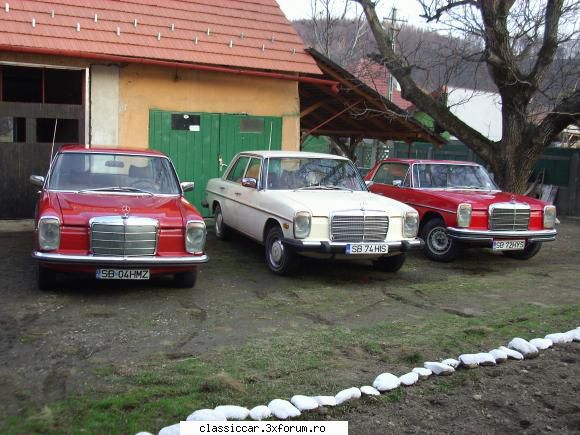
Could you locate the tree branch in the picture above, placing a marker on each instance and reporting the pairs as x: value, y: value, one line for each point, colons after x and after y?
x: 566, y: 112
x: 438, y: 12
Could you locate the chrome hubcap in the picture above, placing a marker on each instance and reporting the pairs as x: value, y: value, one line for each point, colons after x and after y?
x: 277, y: 251
x: 439, y: 241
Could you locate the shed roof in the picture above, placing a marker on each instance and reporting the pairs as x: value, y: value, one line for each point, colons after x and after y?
x: 238, y: 33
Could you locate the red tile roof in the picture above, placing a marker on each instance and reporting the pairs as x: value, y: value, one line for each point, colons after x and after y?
x: 237, y: 33
x: 377, y: 77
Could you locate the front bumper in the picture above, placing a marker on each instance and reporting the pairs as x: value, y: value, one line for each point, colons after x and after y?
x: 101, y: 260
x: 340, y: 248
x: 487, y: 237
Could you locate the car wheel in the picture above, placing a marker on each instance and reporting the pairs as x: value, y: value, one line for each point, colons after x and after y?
x: 186, y: 279
x: 46, y: 278
x: 390, y: 264
x: 439, y: 246
x: 528, y: 252
x: 222, y: 232
x: 280, y: 259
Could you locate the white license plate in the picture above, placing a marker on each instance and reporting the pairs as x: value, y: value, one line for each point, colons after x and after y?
x: 509, y: 245
x: 367, y: 248
x: 123, y: 274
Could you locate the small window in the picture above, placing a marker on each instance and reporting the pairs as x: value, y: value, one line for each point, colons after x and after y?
x: 185, y: 121
x: 393, y: 174
x: 12, y: 129
x: 237, y: 172
x: 254, y: 169
x: 252, y: 125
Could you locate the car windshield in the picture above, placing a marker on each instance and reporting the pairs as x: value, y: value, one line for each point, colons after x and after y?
x: 102, y: 172
x: 312, y: 173
x: 451, y: 176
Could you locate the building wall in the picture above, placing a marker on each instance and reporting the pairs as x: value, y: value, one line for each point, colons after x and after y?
x: 142, y: 88
x: 104, y: 85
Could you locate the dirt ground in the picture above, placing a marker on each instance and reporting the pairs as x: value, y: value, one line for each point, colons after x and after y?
x: 52, y: 342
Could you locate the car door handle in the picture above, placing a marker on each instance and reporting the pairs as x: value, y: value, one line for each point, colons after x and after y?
x: 222, y: 188
x: 237, y: 193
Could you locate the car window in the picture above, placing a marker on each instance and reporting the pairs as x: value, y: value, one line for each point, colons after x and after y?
x: 452, y: 176
x: 253, y: 170
x: 237, y: 172
x: 389, y: 172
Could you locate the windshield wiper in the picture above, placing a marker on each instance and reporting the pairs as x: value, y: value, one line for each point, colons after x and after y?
x: 116, y: 189
x: 323, y: 187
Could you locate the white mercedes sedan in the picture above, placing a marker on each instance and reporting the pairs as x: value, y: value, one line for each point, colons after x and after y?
x: 307, y: 204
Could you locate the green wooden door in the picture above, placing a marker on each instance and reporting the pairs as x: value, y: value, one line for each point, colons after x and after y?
x: 196, y: 142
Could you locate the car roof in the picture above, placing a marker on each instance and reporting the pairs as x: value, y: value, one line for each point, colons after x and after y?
x: 296, y: 154
x: 430, y: 161
x: 100, y: 149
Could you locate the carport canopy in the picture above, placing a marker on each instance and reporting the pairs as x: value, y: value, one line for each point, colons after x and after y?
x: 355, y: 112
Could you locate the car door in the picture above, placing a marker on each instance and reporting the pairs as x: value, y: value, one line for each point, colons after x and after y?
x: 230, y: 189
x: 250, y: 216
x: 392, y: 179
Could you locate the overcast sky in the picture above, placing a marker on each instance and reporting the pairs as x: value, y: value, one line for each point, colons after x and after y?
x: 406, y: 9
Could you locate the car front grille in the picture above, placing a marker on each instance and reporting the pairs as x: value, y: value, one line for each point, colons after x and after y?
x: 359, y: 228
x: 118, y: 236
x: 509, y: 217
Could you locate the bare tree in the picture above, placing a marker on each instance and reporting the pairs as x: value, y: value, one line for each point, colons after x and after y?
x: 518, y: 42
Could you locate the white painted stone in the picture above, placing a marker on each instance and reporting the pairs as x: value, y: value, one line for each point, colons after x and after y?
x: 170, y: 430
x: 523, y: 347
x: 386, y: 382
x: 451, y: 362
x: 260, y: 412
x: 485, y: 359
x: 144, y: 433
x: 233, y: 412
x: 206, y: 415
x: 574, y: 334
x: 499, y: 355
x: 409, y: 379
x: 541, y: 343
x: 369, y: 391
x: 469, y: 360
x: 514, y: 354
x: 346, y: 395
x: 283, y: 409
x: 422, y: 372
x: 325, y: 400
x: 304, y: 403
x: 439, y: 368
x: 559, y: 338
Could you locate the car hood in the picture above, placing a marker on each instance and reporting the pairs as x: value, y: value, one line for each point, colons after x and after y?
x: 482, y: 199
x: 324, y: 202
x: 77, y: 209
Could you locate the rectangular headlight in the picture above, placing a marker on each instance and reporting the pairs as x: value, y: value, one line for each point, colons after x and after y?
x: 411, y: 224
x: 464, y: 215
x: 302, y: 224
x: 549, y: 216
x: 48, y: 233
x: 195, y: 234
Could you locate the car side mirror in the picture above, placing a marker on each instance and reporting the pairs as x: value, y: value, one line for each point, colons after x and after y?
x: 369, y: 183
x: 250, y: 182
x: 37, y: 180
x: 187, y: 186
x: 397, y: 183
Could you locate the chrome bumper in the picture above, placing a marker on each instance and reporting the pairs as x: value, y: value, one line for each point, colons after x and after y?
x: 466, y: 235
x: 340, y: 248
x: 102, y: 260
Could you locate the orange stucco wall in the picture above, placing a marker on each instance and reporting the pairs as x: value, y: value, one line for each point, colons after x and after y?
x: 142, y: 88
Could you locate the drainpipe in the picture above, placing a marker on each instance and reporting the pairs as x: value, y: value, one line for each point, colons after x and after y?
x: 169, y: 64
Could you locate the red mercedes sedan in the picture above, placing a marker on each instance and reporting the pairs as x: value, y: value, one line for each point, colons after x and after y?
x: 116, y: 214
x: 460, y: 205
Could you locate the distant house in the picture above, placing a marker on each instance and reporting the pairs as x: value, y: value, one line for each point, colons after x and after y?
x: 199, y: 80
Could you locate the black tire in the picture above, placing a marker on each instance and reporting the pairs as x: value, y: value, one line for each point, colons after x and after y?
x: 185, y: 279
x: 390, y: 264
x: 46, y: 278
x: 528, y: 252
x: 280, y: 259
x: 438, y: 246
x: 222, y: 231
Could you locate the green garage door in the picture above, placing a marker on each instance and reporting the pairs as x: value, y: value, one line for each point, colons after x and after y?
x: 198, y: 142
